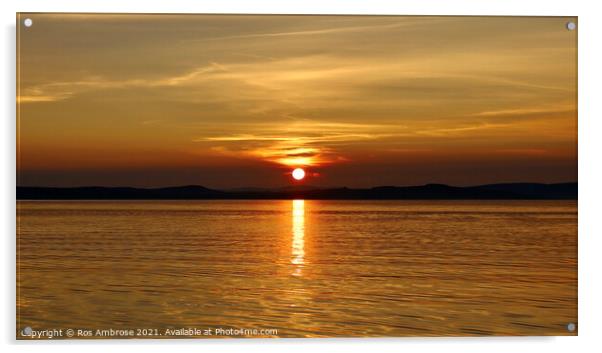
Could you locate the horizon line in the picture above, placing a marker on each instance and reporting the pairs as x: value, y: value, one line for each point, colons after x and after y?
x: 297, y: 185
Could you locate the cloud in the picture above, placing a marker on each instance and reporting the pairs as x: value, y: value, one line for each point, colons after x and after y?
x: 527, y: 111
x: 318, y: 31
x: 461, y: 129
x: 299, y: 143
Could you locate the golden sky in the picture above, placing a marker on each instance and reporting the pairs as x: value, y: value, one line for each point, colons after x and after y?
x: 231, y: 101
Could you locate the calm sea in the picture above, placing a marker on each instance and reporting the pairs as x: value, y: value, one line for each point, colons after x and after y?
x: 303, y: 268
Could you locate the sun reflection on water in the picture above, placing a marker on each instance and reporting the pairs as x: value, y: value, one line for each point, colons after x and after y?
x: 298, y: 244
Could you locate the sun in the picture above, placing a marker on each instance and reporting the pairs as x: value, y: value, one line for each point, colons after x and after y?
x: 298, y: 174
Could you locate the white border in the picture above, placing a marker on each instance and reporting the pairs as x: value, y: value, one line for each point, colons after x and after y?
x: 590, y: 230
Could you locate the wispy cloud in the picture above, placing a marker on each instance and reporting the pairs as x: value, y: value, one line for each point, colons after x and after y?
x: 300, y: 143
x: 314, y: 32
x: 527, y: 111
x: 460, y: 129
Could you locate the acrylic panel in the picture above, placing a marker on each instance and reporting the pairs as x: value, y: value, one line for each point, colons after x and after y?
x: 243, y: 176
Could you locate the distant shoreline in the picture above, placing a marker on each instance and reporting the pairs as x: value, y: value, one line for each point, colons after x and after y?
x: 510, y: 191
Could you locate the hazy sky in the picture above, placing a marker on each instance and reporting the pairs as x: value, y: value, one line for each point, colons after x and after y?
x: 230, y: 101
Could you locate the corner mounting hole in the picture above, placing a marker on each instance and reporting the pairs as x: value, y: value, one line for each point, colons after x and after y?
x: 571, y: 26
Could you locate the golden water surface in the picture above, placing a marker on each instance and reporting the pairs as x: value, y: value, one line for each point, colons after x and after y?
x: 304, y: 268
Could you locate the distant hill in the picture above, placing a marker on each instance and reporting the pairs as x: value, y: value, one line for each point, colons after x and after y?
x: 513, y: 191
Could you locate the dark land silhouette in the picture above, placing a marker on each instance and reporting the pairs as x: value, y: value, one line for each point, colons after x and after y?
x: 510, y: 191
